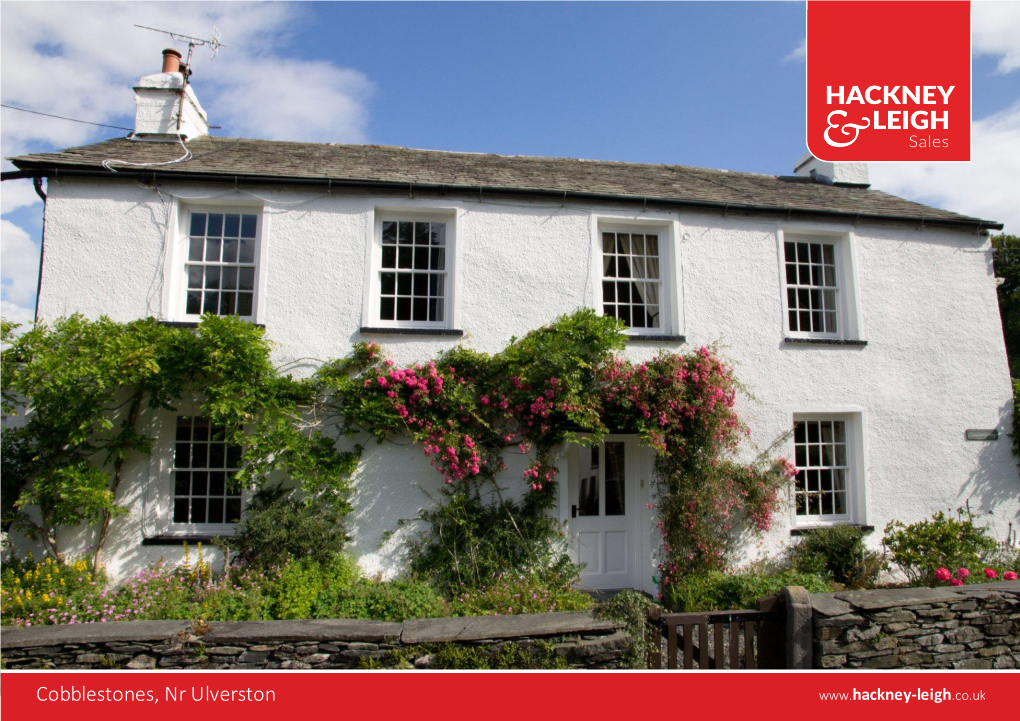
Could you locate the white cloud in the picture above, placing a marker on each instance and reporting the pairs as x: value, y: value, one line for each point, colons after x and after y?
x: 81, y: 60
x: 17, y: 194
x: 21, y: 314
x: 995, y: 28
x: 326, y: 103
x: 986, y: 187
x: 798, y: 53
x: 19, y: 264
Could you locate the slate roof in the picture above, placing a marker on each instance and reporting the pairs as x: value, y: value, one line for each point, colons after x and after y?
x: 378, y: 166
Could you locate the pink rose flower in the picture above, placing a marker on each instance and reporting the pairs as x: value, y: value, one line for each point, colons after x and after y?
x: 991, y: 573
x: 962, y: 573
x: 955, y: 582
x: 943, y: 574
x: 1009, y: 576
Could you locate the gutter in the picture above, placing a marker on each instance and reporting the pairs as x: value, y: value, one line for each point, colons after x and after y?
x: 153, y: 175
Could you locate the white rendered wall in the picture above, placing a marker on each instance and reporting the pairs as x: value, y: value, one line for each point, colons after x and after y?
x: 934, y: 366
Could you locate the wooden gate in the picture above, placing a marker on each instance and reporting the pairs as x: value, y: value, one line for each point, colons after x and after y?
x: 720, y: 639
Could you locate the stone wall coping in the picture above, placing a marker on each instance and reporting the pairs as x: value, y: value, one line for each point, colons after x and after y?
x: 91, y: 633
x: 476, y: 628
x: 429, y: 630
x: 842, y: 602
x: 358, y: 630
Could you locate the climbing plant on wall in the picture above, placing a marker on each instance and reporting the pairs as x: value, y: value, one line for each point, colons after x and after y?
x: 81, y: 386
x: 85, y: 382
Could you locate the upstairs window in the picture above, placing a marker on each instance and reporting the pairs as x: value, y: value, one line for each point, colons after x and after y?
x: 203, y: 469
x: 812, y: 288
x: 632, y: 280
x: 413, y: 284
x: 221, y: 268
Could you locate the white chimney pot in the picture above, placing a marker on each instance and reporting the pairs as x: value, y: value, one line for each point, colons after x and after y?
x: 809, y: 166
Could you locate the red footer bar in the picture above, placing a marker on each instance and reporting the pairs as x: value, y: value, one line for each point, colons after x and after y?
x: 453, y: 695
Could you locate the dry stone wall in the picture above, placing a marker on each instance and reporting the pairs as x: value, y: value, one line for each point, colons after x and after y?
x: 975, y: 627
x: 579, y: 639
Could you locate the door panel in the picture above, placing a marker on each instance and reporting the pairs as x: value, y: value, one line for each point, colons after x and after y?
x: 604, y: 512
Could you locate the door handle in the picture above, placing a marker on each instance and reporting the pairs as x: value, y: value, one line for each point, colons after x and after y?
x: 573, y: 511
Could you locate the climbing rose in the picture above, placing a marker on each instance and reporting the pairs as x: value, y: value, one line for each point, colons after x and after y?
x: 962, y: 573
x: 943, y: 574
x: 991, y: 573
x: 1009, y: 576
x: 955, y: 582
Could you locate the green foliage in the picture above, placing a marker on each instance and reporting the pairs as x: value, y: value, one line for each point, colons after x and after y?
x: 921, y: 548
x: 839, y: 553
x: 36, y: 590
x: 277, y: 527
x: 516, y: 596
x: 717, y: 591
x: 506, y: 656
x: 630, y: 608
x: 87, y: 381
x: 1016, y: 416
x: 470, y: 544
x: 383, y: 601
x: 82, y: 385
x: 535, y: 655
x: 1007, y: 267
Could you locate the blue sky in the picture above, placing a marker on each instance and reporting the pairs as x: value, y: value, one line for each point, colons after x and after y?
x: 706, y: 84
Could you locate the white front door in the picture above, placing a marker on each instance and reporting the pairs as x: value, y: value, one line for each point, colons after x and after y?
x: 604, y: 513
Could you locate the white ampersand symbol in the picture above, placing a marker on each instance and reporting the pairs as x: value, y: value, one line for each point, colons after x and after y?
x: 857, y: 129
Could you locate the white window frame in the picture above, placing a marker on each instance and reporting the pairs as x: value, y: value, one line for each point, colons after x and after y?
x: 161, y: 474
x: 373, y: 282
x: 177, y: 277
x: 848, y: 326
x: 670, y: 304
x: 856, y: 475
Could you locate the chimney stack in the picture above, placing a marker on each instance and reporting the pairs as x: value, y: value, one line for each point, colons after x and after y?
x: 166, y: 107
x: 852, y: 175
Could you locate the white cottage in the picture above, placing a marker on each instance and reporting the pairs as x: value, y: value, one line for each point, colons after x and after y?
x: 868, y: 320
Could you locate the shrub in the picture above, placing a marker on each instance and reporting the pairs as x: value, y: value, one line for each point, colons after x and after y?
x: 471, y: 544
x: 382, y: 601
x: 34, y: 593
x: 921, y: 548
x: 276, y: 527
x: 839, y: 553
x: 630, y: 608
x: 512, y: 597
x: 718, y: 591
x: 302, y: 582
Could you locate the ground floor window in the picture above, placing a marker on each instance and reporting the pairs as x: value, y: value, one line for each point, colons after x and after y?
x: 822, y: 486
x: 203, y: 468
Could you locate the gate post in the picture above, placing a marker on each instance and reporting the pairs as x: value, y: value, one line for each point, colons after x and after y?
x: 799, y: 632
x: 771, y: 635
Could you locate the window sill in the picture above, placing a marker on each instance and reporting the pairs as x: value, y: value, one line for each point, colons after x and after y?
x: 805, y: 530
x: 171, y: 540
x: 194, y: 323
x: 826, y: 341
x: 655, y: 338
x: 412, y: 331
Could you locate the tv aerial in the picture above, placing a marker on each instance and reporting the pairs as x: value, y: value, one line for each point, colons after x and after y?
x: 213, y: 43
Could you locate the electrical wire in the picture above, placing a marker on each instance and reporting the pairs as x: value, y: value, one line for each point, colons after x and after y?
x: 61, y: 117
x: 184, y: 158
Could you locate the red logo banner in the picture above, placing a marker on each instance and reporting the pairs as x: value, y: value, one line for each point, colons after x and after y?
x: 888, y: 80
